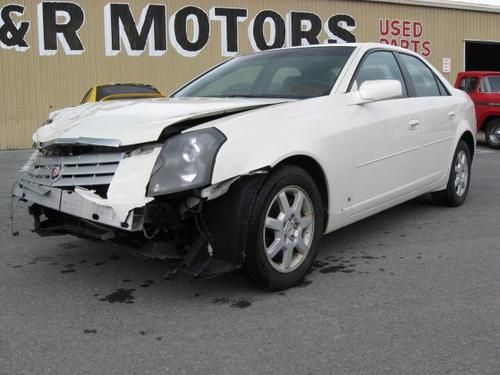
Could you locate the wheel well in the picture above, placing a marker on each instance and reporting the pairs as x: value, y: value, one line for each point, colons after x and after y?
x: 489, y: 120
x: 312, y: 167
x: 469, y: 140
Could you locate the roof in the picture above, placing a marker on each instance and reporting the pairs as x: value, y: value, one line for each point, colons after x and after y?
x: 491, y: 6
x: 479, y: 73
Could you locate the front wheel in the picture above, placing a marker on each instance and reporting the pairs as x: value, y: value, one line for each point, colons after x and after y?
x: 492, y: 134
x: 285, y: 229
x: 459, y: 181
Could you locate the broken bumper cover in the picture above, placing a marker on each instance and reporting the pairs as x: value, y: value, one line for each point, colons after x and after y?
x: 209, y: 249
x: 71, y: 203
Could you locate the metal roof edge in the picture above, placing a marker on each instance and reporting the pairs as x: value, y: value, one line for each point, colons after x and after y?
x: 443, y: 4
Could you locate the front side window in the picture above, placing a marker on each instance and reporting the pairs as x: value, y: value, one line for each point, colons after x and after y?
x: 379, y: 66
x: 468, y: 84
x: 299, y: 73
x: 423, y: 79
x: 490, y: 84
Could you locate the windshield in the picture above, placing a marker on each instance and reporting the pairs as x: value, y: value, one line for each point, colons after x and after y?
x: 490, y: 84
x: 291, y: 73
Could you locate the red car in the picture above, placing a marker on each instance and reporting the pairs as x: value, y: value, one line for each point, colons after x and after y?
x: 484, y: 89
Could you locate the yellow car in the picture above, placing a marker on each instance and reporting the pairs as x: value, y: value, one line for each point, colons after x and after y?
x: 116, y: 91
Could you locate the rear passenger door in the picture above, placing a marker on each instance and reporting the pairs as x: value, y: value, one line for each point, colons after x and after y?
x: 439, y: 113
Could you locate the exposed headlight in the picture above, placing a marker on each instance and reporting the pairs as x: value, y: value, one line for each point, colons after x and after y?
x: 186, y: 162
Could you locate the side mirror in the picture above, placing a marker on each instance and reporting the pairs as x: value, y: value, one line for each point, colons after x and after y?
x: 374, y: 91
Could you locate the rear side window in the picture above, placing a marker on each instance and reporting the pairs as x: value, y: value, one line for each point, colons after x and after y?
x: 423, y: 79
x: 468, y: 84
x: 379, y: 66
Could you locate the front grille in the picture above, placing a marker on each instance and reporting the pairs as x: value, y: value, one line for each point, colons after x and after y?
x: 68, y: 171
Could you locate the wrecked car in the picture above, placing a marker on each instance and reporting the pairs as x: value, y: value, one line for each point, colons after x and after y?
x: 248, y: 165
x: 121, y: 91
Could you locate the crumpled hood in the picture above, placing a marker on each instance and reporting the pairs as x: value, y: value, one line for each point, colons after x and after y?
x: 127, y: 122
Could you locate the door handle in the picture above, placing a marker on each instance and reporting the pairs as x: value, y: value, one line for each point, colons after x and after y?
x: 452, y: 115
x: 413, y: 124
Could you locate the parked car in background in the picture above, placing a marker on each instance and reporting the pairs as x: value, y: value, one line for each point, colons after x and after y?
x: 248, y: 165
x: 484, y: 89
x: 115, y: 91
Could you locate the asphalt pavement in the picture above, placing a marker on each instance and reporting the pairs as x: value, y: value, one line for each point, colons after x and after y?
x: 413, y: 290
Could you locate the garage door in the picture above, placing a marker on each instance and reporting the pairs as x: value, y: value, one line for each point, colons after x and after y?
x: 482, y: 56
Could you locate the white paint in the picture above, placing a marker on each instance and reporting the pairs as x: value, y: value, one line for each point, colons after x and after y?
x: 371, y: 154
x: 132, y: 121
x: 60, y: 37
x: 152, y: 51
x: 128, y: 186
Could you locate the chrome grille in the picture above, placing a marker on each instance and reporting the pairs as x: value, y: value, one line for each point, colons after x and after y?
x: 67, y: 171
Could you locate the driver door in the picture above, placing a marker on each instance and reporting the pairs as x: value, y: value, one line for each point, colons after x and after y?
x: 387, y: 140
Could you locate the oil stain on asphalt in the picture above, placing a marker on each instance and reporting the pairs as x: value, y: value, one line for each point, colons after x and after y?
x: 241, y: 303
x: 339, y: 262
x: 121, y: 295
x: 147, y: 284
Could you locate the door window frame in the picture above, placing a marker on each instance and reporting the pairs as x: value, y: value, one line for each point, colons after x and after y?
x: 440, y: 85
x: 406, y: 88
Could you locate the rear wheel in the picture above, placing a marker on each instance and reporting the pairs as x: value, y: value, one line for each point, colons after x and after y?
x: 285, y: 229
x: 459, y: 181
x: 492, y: 134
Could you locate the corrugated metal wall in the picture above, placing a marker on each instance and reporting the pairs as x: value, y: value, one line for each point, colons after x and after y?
x: 32, y: 85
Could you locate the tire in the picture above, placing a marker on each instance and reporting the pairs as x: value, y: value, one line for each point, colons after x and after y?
x: 459, y: 181
x: 492, y: 134
x: 283, y: 234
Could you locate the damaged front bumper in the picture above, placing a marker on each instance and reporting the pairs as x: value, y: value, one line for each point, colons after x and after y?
x: 190, y: 227
x: 74, y: 204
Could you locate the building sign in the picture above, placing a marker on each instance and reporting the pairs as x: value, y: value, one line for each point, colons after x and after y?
x: 405, y: 34
x: 154, y: 31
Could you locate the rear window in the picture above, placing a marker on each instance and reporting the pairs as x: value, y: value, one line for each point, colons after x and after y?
x: 104, y: 91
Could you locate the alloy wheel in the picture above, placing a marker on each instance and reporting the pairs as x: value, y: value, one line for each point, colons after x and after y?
x: 461, y: 173
x: 288, y: 229
x: 494, y: 134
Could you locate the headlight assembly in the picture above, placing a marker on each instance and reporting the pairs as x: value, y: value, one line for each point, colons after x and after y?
x: 186, y: 162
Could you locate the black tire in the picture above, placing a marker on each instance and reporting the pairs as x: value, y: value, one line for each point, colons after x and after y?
x: 257, y: 267
x: 453, y: 195
x: 492, y: 134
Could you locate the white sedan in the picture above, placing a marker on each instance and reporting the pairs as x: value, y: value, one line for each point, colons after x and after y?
x: 248, y: 165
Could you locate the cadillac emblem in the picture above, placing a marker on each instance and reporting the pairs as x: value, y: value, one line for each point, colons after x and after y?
x: 55, y: 172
